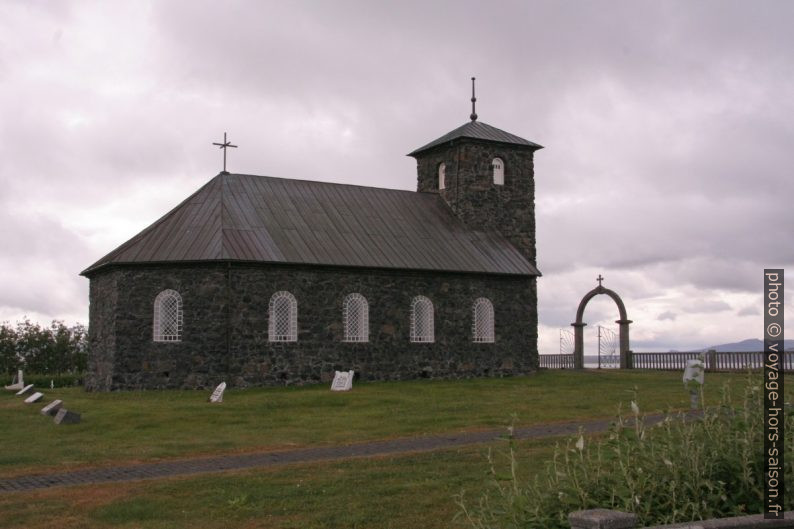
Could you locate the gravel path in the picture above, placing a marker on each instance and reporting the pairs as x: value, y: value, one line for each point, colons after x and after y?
x: 203, y: 465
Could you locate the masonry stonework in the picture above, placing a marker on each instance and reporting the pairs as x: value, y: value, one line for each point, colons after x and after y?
x: 472, y: 195
x: 225, y: 330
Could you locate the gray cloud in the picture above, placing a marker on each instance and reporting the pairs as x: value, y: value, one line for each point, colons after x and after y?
x: 667, y: 127
x: 667, y: 315
x: 749, y: 311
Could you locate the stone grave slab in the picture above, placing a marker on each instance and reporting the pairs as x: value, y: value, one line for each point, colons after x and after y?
x: 343, y: 381
x: 52, y: 408
x: 217, y: 395
x: 34, y: 398
x: 65, y: 416
x: 24, y: 390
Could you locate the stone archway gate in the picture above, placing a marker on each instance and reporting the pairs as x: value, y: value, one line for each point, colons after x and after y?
x: 623, y: 323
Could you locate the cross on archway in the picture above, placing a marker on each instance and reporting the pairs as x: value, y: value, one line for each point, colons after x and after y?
x: 225, y: 145
x: 599, y: 278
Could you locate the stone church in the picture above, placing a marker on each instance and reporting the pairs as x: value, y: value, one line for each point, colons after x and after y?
x: 258, y: 280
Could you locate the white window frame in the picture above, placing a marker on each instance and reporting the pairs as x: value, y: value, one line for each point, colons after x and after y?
x: 442, y: 176
x: 422, y: 320
x: 167, y: 304
x: 355, y: 318
x: 498, y: 167
x: 276, y: 311
x: 482, y: 321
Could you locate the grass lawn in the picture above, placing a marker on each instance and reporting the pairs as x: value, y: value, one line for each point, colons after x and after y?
x: 378, y: 493
x: 143, y: 426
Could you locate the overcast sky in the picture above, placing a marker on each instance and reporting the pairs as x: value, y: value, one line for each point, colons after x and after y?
x: 668, y: 130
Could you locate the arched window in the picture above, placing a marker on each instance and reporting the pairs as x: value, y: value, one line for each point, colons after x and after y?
x: 422, y: 320
x: 442, y: 175
x: 482, y: 321
x: 498, y: 167
x: 355, y: 316
x: 167, y: 316
x: 282, y: 318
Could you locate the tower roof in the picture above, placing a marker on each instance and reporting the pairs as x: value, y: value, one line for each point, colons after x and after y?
x: 259, y: 219
x: 479, y: 131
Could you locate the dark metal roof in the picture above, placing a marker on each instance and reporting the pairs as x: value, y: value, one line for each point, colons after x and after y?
x: 249, y: 218
x: 479, y: 131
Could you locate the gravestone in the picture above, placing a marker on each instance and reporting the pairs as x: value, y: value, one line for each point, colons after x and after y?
x: 343, y: 381
x: 65, y: 416
x: 693, y: 380
x: 34, y: 398
x: 217, y: 395
x: 18, y: 382
x: 52, y: 408
x: 24, y: 390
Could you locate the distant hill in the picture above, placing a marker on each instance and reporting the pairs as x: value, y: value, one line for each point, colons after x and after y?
x: 746, y: 346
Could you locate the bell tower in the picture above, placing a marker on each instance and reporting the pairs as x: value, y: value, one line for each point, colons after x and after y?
x: 486, y: 176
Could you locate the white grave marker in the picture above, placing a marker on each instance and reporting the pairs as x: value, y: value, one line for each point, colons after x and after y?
x: 18, y: 383
x: 52, y: 408
x: 694, y: 373
x: 217, y: 395
x: 34, y: 398
x: 343, y: 381
x: 24, y: 390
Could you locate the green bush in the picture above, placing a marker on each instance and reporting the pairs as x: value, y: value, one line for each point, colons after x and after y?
x: 52, y: 350
x: 680, y: 470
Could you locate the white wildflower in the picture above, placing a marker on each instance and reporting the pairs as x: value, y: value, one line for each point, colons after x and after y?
x: 580, y: 443
x: 634, y: 408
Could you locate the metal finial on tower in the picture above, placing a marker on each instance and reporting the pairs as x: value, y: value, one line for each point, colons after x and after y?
x: 473, y: 101
x: 225, y: 145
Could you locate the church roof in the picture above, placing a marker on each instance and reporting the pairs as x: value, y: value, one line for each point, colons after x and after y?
x: 479, y: 131
x: 249, y: 218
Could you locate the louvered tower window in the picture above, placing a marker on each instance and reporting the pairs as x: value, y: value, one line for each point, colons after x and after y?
x: 355, y: 313
x: 498, y: 167
x: 482, y: 321
x: 442, y: 175
x: 283, y: 318
x: 422, y: 320
x: 167, y: 316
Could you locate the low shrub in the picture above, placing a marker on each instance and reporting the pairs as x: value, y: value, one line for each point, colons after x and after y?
x: 680, y: 470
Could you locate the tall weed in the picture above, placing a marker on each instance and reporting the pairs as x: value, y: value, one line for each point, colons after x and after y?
x: 679, y: 470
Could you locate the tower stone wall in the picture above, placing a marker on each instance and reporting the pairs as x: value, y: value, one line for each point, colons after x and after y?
x: 472, y: 195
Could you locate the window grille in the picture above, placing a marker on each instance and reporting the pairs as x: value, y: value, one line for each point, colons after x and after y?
x: 167, y: 316
x: 442, y: 175
x: 355, y: 313
x: 422, y: 320
x: 498, y: 167
x: 283, y: 318
x: 482, y: 321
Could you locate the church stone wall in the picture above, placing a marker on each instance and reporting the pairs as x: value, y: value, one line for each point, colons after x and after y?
x: 226, y: 321
x: 102, y: 331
